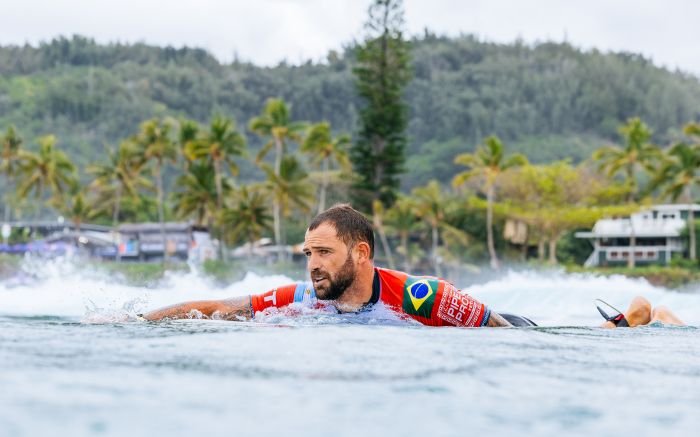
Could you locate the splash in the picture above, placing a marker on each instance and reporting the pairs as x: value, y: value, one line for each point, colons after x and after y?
x: 301, y: 314
x: 558, y: 298
x: 128, y: 312
x: 66, y: 289
x: 63, y: 288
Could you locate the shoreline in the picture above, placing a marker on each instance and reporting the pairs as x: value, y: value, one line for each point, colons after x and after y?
x: 675, y: 278
x: 223, y: 273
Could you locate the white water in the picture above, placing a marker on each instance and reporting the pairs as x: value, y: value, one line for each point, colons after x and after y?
x: 67, y: 369
x: 551, y: 298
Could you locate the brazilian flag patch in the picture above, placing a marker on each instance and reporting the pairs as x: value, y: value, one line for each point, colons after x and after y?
x: 419, y: 296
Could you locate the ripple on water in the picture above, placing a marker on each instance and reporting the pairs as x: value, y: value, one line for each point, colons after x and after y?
x: 72, y: 354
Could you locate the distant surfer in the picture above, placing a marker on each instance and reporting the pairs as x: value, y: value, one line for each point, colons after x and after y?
x: 639, y: 313
x: 339, y: 246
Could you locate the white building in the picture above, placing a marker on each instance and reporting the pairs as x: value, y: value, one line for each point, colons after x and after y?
x: 657, y: 231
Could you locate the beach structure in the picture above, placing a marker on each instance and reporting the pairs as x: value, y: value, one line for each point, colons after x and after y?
x: 130, y: 242
x: 58, y: 238
x: 657, y: 230
x: 183, y: 241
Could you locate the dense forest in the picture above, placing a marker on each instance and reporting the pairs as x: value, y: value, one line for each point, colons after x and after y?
x: 549, y: 100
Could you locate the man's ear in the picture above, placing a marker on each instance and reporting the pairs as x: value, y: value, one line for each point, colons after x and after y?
x: 362, y: 251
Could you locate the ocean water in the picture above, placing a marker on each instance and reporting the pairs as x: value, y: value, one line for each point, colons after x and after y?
x: 75, y: 361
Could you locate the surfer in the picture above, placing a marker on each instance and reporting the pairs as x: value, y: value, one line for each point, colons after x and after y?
x: 639, y: 313
x: 339, y: 246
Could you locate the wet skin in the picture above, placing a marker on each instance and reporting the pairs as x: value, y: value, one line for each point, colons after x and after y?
x: 640, y: 313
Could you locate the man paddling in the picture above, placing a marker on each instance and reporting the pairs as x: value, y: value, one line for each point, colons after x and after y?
x: 339, y: 245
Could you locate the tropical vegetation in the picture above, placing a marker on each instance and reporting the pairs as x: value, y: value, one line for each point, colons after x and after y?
x: 444, y: 143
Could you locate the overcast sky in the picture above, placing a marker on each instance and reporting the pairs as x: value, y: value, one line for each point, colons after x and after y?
x: 268, y: 31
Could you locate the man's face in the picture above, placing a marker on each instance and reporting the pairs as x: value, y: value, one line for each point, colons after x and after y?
x: 330, y: 262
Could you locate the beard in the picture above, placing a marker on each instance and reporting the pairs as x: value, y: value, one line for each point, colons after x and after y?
x: 338, y: 284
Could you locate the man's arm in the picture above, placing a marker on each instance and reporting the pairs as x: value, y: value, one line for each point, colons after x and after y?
x: 496, y: 320
x: 237, y: 308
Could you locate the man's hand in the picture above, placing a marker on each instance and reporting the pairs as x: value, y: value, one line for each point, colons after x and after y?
x: 495, y: 320
x: 237, y: 308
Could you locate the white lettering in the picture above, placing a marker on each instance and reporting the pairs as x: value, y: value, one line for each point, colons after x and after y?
x: 272, y: 297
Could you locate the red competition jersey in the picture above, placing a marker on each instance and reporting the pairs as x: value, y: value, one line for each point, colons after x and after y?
x: 431, y: 301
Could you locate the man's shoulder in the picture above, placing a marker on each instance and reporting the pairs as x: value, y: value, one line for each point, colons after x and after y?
x: 403, y: 276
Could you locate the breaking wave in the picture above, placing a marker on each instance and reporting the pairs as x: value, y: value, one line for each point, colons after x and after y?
x: 66, y: 289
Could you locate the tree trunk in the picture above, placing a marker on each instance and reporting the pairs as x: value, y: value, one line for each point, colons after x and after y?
x: 324, y: 186
x: 404, y: 248
x: 161, y: 212
x: 115, y: 219
x: 691, y: 230
x: 553, y: 249
x: 436, y: 238
x: 278, y: 229
x: 117, y: 205
x: 283, y: 233
x: 541, y: 249
x: 217, y: 180
x: 7, y: 199
x: 633, y: 245
x: 489, y: 227
x: 219, y: 205
x: 631, y: 197
x: 278, y: 156
x: 276, y: 202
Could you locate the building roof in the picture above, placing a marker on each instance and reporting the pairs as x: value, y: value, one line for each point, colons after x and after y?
x: 155, y: 227
x: 676, y: 207
x: 87, y: 237
x: 52, y: 225
x: 645, y: 225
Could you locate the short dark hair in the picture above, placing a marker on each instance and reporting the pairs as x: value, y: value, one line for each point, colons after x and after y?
x: 350, y: 225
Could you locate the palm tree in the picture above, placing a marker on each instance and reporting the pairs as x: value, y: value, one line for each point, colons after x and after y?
x: 637, y: 152
x: 199, y: 194
x: 679, y: 173
x: 402, y: 220
x: 247, y: 219
x: 488, y: 163
x: 291, y: 189
x: 323, y: 148
x: 220, y: 145
x: 49, y: 169
x: 693, y: 130
x: 157, y: 146
x: 274, y: 123
x: 429, y: 207
x: 11, y: 144
x: 187, y: 134
x: 78, y: 209
x: 432, y: 206
x: 121, y: 175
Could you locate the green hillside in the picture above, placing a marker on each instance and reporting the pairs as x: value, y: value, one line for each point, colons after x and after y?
x: 548, y: 101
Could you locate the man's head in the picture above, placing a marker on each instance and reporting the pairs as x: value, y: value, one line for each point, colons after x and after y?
x: 339, y: 241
